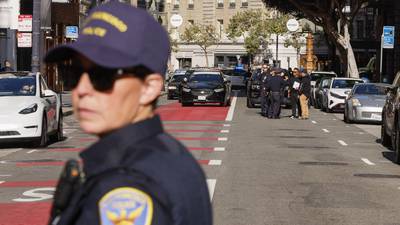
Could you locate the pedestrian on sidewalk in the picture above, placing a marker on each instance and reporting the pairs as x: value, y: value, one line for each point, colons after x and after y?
x: 265, y: 97
x: 135, y: 173
x: 294, y: 86
x: 274, y: 87
x: 305, y: 92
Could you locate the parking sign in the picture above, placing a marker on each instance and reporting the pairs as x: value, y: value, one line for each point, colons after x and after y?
x: 388, y: 37
x: 71, y: 32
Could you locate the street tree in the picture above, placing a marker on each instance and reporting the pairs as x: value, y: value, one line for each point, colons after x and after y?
x: 297, y: 41
x: 256, y: 27
x: 334, y: 16
x: 204, y: 36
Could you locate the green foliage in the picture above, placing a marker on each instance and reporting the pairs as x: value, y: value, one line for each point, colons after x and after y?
x: 202, y: 35
x: 256, y: 26
x: 296, y: 40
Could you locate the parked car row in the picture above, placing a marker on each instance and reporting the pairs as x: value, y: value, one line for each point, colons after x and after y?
x: 200, y: 85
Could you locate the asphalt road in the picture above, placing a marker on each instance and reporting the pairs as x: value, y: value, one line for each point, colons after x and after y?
x: 260, y: 171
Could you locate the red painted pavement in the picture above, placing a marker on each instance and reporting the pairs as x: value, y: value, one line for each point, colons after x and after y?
x: 175, y: 112
x: 200, y: 149
x: 66, y: 149
x: 32, y: 213
x: 45, y: 183
x: 192, y: 125
x: 197, y: 138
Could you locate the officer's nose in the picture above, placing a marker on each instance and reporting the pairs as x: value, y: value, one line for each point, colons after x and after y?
x: 84, y: 86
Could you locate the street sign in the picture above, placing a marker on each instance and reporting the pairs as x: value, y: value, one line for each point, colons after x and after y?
x: 71, y: 32
x: 176, y: 20
x: 25, y: 23
x: 388, y: 37
x: 24, y: 40
x: 292, y: 25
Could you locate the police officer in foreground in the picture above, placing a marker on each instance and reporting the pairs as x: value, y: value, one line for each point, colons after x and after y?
x: 265, y: 98
x: 135, y: 173
x: 274, y: 86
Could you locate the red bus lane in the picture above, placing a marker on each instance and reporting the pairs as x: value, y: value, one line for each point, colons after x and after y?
x: 202, y: 129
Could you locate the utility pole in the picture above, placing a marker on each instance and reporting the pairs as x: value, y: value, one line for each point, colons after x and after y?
x: 36, y: 36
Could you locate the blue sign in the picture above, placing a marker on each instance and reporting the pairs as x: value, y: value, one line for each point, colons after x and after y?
x: 71, y: 32
x: 388, y: 37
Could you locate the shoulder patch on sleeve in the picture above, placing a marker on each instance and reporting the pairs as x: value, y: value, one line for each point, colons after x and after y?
x: 126, y: 206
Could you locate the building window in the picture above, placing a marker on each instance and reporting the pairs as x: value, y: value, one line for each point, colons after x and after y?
x: 360, y: 29
x: 220, y: 3
x: 245, y: 3
x: 176, y: 4
x: 232, y: 4
x: 191, y: 22
x: 190, y: 4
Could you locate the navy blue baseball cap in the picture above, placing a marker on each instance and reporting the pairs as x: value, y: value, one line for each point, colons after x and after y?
x: 118, y: 35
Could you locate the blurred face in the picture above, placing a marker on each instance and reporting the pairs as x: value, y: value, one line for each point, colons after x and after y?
x: 7, y: 64
x: 296, y: 73
x: 264, y: 68
x: 100, y: 112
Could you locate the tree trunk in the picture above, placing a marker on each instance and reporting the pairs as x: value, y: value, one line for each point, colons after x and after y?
x: 206, y: 55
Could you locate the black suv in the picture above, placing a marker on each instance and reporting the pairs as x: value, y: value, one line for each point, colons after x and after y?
x: 174, y: 85
x: 390, y: 128
x: 254, y: 89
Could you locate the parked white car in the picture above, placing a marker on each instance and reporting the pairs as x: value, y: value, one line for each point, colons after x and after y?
x: 339, y: 89
x: 29, y: 110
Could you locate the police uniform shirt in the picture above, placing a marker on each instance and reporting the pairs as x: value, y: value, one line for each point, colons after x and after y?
x: 275, y: 83
x: 144, y: 177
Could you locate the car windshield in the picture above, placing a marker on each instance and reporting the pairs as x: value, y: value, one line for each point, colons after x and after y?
x: 316, y: 76
x: 343, y: 84
x: 205, y: 78
x: 178, y: 78
x: 369, y: 90
x: 11, y: 85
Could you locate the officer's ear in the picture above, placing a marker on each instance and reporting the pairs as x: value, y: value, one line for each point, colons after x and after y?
x: 152, y: 86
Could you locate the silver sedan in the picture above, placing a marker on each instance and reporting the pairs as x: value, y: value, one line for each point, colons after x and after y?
x: 365, y: 103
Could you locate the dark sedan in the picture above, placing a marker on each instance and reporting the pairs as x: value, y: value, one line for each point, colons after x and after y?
x: 254, y: 89
x: 205, y: 87
x: 174, y: 86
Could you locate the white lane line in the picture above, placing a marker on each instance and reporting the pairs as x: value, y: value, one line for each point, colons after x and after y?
x: 313, y: 121
x: 219, y: 149
x: 231, y: 111
x: 368, y: 162
x: 334, y: 119
x: 325, y: 114
x: 342, y: 143
x: 5, y: 175
x: 224, y: 131
x: 32, y: 151
x: 222, y: 139
x: 3, y: 162
x: 1, y: 181
x: 211, y: 183
x: 214, y: 162
x: 325, y: 130
x: 227, y: 125
x: 360, y: 132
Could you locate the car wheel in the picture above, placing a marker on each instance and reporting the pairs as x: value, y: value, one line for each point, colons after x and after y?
x: 385, y: 139
x: 184, y: 104
x: 249, y: 103
x: 59, y: 135
x: 43, y: 140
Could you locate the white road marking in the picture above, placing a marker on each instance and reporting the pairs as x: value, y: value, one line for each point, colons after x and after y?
x: 5, y: 175
x: 342, y: 143
x: 314, y: 122
x: 1, y: 181
x: 360, y: 132
x: 224, y: 131
x: 214, y: 162
x: 231, y: 111
x: 219, y: 149
x: 347, y: 126
x: 32, y: 151
x: 325, y: 130
x: 325, y: 114
x: 36, y: 194
x: 3, y: 162
x: 227, y: 125
x: 222, y: 139
x: 334, y: 119
x: 211, y: 183
x: 368, y: 162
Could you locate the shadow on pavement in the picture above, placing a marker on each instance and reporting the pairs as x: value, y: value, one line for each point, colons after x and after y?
x: 389, y: 156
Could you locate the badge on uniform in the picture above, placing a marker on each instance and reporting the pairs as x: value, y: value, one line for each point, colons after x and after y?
x: 126, y: 206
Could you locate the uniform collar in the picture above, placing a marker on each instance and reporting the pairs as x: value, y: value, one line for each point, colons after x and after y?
x: 110, y: 150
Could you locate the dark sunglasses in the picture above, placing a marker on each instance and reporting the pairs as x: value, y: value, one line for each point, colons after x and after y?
x: 101, y: 78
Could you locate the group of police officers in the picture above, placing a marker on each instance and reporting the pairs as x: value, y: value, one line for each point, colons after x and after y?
x: 273, y: 81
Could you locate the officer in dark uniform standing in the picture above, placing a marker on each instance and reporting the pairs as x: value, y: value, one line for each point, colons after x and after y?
x: 265, y: 98
x: 135, y: 173
x: 274, y: 86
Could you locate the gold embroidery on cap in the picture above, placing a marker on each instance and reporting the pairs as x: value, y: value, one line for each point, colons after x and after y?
x: 109, y: 18
x: 98, y: 31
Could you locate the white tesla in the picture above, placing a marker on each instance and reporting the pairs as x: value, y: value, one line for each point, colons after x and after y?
x: 29, y: 110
